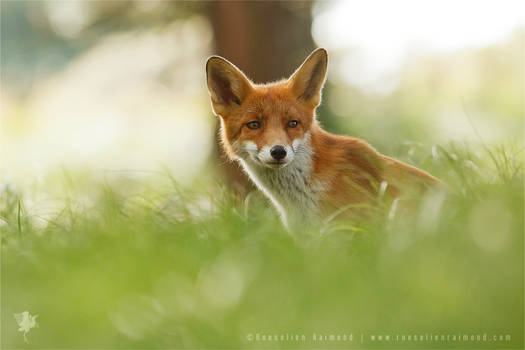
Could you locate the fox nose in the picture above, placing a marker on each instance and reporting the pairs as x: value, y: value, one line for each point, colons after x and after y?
x: 278, y: 152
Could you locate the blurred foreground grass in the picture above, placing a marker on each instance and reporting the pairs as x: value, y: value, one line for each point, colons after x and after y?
x: 122, y: 262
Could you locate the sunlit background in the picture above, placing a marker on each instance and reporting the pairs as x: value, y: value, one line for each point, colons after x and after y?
x: 120, y: 85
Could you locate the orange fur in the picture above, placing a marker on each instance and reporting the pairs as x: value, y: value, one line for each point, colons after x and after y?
x: 349, y: 169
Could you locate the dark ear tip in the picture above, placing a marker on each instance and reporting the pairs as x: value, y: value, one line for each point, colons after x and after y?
x: 321, y: 52
x: 213, y: 59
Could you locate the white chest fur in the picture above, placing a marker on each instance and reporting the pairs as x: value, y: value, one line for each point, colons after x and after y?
x: 291, y: 189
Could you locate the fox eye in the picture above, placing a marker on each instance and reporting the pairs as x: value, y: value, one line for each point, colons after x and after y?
x: 254, y: 125
x: 292, y: 123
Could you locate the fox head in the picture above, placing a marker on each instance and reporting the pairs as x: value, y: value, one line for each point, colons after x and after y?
x: 266, y: 124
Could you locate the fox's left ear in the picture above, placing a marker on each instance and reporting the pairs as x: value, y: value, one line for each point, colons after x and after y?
x: 308, y: 79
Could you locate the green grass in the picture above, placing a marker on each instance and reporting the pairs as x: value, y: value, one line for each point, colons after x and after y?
x: 118, y: 260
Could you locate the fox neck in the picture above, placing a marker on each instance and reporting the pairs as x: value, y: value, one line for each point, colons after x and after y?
x: 291, y: 189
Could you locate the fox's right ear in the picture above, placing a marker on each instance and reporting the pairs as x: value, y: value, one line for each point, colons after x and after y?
x: 227, y: 85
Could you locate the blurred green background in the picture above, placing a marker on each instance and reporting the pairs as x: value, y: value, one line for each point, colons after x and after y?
x: 122, y: 226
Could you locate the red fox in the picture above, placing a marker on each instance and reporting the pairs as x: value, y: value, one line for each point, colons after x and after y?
x: 272, y: 130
